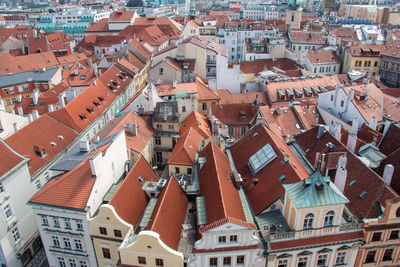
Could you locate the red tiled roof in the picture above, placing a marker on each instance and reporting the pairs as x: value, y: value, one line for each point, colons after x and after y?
x: 391, y: 141
x: 10, y: 64
x: 71, y: 190
x: 114, y: 80
x: 323, y: 56
x: 100, y: 26
x: 223, y: 204
x: 231, y: 114
x: 144, y: 130
x: 198, y: 122
x: 129, y: 201
x: 250, y: 97
x: 369, y: 182
x: 167, y: 26
x: 186, y: 148
x: 258, y: 66
x: 122, y: 15
x: 368, y: 135
x: 357, y: 49
x: 269, y: 187
x: 308, y: 114
x: 38, y: 44
x: 84, y: 78
x: 394, y: 159
x: 40, y: 133
x: 72, y: 58
x: 224, y: 249
x: 169, y: 214
x: 316, y: 241
x: 307, y: 37
x: 12, y: 158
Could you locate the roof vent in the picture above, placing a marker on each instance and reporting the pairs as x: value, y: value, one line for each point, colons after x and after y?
x: 84, y: 146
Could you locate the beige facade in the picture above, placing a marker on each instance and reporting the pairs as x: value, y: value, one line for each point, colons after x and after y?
x: 293, y: 18
x: 149, y: 250
x: 180, y: 169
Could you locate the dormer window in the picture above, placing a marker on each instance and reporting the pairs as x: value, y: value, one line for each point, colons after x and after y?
x: 115, y: 83
x: 308, y: 221
x: 82, y: 116
x: 39, y: 150
x: 97, y: 104
x: 90, y: 109
x: 101, y: 99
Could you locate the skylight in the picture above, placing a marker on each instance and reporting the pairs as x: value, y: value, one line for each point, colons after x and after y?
x: 261, y: 158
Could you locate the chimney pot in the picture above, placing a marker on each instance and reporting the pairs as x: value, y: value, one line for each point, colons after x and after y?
x: 20, y: 111
x: 388, y: 173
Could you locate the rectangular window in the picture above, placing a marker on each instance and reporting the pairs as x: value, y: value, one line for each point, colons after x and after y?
x: 67, y: 223
x: 161, y: 71
x: 8, y: 211
x: 159, y: 127
x: 44, y: 220
x: 78, y: 244
x: 79, y: 225
x: 227, y: 260
x: 157, y: 140
x: 322, y: 260
x: 56, y: 222
x: 394, y: 235
x: 5, y: 91
x: 183, y: 109
x: 388, y: 255
x: 38, y: 184
x: 61, y: 262
x: 230, y: 130
x: 159, y: 262
x: 240, y: 259
x: 341, y: 257
x: 177, y: 170
x: 222, y: 239
x: 12, y: 91
x: 204, y: 106
x: 189, y: 171
x: 56, y: 242
x: 1, y: 187
x: 243, y: 130
x: 106, y: 253
x: 282, y: 263
x: 302, y: 262
x: 376, y: 237
x: 370, y: 257
x: 213, y: 261
x: 103, y: 230
x: 82, y: 264
x: 171, y: 126
x: 233, y: 238
x: 46, y: 176
x: 117, y: 233
x: 67, y: 243
x: 141, y: 260
x: 72, y: 263
x: 342, y: 103
x: 332, y: 98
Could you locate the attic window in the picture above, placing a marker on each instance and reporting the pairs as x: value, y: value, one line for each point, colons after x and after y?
x: 53, y: 144
x: 90, y: 109
x: 261, y: 158
x: 97, y: 104
x: 352, y: 182
x: 110, y: 87
x: 115, y: 83
x: 83, y: 117
x: 282, y: 177
x: 363, y: 194
x: 101, y: 99
x: 82, y: 77
x: 61, y: 137
x: 39, y: 150
x: 140, y: 179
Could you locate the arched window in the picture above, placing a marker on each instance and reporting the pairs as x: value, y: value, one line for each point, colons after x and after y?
x: 308, y: 221
x: 329, y: 218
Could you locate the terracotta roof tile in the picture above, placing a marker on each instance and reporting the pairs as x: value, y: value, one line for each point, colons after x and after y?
x: 368, y: 135
x: 186, y: 148
x: 71, y: 190
x: 394, y: 159
x: 235, y: 113
x: 169, y: 214
x: 287, y: 121
x: 40, y: 133
x: 263, y: 64
x: 250, y: 97
x: 269, y: 187
x: 323, y: 56
x: 391, y: 141
x: 307, y: 37
x: 198, y: 122
x: 129, y: 201
x: 223, y: 204
x: 13, y: 158
x: 30, y: 62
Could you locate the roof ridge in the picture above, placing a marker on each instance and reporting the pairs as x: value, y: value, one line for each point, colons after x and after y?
x: 213, y: 145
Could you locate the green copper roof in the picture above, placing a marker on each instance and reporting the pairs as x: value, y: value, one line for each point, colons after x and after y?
x: 315, y: 191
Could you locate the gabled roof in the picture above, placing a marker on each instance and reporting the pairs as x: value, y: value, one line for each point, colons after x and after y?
x: 11, y: 158
x: 185, y: 150
x: 84, y: 76
x: 122, y: 15
x: 42, y: 133
x: 360, y: 178
x: 71, y: 190
x: 198, y: 122
x: 130, y: 200
x: 144, y: 130
x: 391, y: 141
x: 72, y: 58
x: 323, y: 56
x: 169, y: 214
x: 271, y: 177
x: 307, y: 37
x: 315, y: 191
x: 231, y: 114
x: 222, y: 200
x: 10, y: 64
x: 250, y: 97
x: 115, y: 79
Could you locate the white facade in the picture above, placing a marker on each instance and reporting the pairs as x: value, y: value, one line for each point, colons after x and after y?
x: 324, y: 68
x: 76, y: 16
x: 146, y: 101
x: 64, y: 231
x: 235, y: 236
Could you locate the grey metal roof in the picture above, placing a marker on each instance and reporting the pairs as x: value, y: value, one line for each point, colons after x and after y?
x: 201, y: 210
x: 315, y: 191
x: 171, y: 108
x: 27, y: 76
x: 147, y: 213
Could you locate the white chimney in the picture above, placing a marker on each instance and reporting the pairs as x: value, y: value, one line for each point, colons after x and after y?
x: 96, y: 73
x: 92, y: 165
x: 338, y: 131
x: 165, y: 115
x: 352, y: 139
x: 367, y: 93
x: 34, y: 34
x: 16, y: 128
x: 373, y: 122
x: 388, y: 173
x: 131, y: 128
x: 35, y: 114
x: 35, y: 96
x: 84, y: 146
x: 51, y: 108
x: 19, y: 98
x: 2, y: 107
x: 354, y: 126
x: 30, y: 118
x: 174, y: 83
x: 20, y: 111
x: 316, y: 159
x: 61, y: 101
x: 341, y: 173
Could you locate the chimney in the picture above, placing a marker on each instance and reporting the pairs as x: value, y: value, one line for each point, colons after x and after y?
x: 16, y: 128
x: 321, y: 131
x: 373, y: 123
x: 354, y: 126
x: 338, y: 131
x: 19, y: 98
x: 317, y: 119
x: 35, y: 114
x: 96, y: 72
x: 367, y: 93
x: 35, y: 96
x: 92, y: 166
x: 317, y: 155
x: 20, y: 111
x: 337, y: 89
x: 278, y: 110
x: 12, y: 112
x: 286, y: 158
x: 257, y: 100
x: 90, y: 63
x: 84, y: 146
x: 255, y: 182
x: 322, y: 167
x: 131, y: 128
x: 352, y: 139
x: 34, y: 34
x: 174, y: 83
x: 51, y: 108
x: 97, y: 139
x: 2, y: 107
x: 341, y: 173
x: 61, y: 101
x: 30, y: 118
x: 388, y: 173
